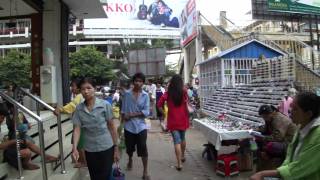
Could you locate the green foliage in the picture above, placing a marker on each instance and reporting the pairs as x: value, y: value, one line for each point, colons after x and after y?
x: 88, y: 62
x: 15, y: 68
x: 167, y: 43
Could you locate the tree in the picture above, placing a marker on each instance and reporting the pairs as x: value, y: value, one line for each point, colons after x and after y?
x: 88, y: 62
x: 15, y: 68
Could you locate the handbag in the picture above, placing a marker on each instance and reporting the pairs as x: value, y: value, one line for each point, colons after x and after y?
x: 190, y: 108
x: 117, y: 173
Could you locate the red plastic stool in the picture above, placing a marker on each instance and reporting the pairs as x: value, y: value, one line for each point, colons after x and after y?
x: 227, y: 165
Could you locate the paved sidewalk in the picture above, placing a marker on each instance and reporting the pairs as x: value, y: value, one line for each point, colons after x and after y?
x: 162, y: 159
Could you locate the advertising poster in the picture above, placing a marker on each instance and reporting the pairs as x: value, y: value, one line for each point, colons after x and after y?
x: 140, y: 14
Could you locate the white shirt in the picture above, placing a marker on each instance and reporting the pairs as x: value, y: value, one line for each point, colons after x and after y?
x: 303, y: 133
x: 116, y: 97
x: 152, y: 90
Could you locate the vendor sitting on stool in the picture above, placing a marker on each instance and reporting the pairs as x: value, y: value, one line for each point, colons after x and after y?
x: 277, y: 134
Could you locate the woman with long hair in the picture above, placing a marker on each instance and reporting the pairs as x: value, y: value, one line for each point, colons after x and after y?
x: 178, y: 116
x: 302, y: 160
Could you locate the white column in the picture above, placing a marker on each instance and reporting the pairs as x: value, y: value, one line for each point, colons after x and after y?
x: 52, y: 38
x: 198, y: 40
x: 233, y: 73
x: 186, y: 65
x: 223, y: 82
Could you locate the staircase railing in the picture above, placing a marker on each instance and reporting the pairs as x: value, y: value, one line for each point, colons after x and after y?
x: 220, y: 38
x: 40, y: 130
x: 306, y: 79
x: 312, y: 61
x: 45, y: 105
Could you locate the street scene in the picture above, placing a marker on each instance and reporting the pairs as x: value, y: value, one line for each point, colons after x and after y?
x: 159, y: 89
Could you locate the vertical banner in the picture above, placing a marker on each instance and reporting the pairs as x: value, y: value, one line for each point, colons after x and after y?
x: 188, y: 23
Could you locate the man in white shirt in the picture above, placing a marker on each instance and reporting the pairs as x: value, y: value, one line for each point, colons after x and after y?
x: 151, y: 89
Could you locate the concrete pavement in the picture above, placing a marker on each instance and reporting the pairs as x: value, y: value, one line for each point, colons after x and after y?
x: 162, y: 159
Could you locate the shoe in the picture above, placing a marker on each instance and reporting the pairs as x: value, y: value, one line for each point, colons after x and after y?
x: 183, y: 159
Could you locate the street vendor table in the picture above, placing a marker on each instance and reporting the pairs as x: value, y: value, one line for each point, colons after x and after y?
x: 217, y: 135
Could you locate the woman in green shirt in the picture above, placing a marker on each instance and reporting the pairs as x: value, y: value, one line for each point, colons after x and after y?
x: 302, y: 159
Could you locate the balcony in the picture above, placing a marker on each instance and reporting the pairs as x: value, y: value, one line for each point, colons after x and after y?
x: 15, y: 32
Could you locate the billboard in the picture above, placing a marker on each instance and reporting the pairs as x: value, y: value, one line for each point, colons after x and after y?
x: 150, y: 62
x: 295, y: 6
x: 139, y: 14
x: 188, y: 22
x: 261, y: 11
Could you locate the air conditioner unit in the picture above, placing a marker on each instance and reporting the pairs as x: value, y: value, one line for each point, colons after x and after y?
x: 48, y: 84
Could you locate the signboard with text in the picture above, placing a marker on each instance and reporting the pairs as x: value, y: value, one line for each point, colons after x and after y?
x: 295, y: 6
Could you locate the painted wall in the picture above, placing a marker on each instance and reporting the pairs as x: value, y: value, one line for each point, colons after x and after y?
x: 252, y: 50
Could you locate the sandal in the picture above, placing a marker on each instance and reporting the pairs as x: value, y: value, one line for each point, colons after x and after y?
x: 79, y: 165
x: 51, y: 159
x: 147, y: 177
x: 129, y: 166
x: 178, y: 168
x: 31, y: 166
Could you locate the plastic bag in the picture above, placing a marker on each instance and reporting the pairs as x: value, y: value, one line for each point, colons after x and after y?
x: 117, y: 174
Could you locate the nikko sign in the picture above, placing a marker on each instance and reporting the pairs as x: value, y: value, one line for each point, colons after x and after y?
x: 295, y: 6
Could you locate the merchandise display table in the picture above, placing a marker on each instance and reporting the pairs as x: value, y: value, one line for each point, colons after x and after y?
x: 216, y: 131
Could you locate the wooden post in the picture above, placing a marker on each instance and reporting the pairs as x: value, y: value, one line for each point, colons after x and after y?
x: 36, y: 51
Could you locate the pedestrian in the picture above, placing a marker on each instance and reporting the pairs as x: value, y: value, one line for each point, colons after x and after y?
x: 277, y: 132
x: 151, y: 89
x: 135, y: 108
x: 94, y: 118
x: 76, y: 98
x: 159, y: 92
x: 74, y: 88
x: 302, y: 160
x: 285, y: 104
x: 178, y: 116
x: 9, y: 147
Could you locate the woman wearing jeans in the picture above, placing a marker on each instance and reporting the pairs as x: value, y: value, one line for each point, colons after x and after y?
x: 178, y: 116
x: 94, y: 118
